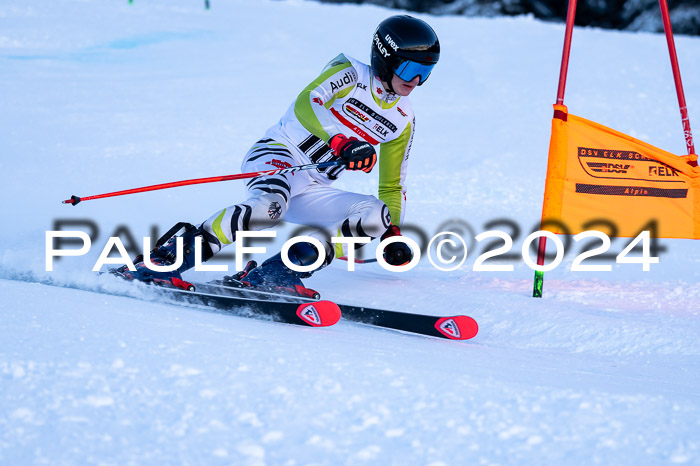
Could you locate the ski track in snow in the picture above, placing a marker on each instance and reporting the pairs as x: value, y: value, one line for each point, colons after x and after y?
x: 187, y: 385
x: 605, y: 369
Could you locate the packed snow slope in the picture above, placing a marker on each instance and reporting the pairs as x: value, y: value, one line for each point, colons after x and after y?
x: 104, y: 96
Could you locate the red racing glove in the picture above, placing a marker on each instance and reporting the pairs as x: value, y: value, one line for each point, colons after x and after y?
x: 357, y: 155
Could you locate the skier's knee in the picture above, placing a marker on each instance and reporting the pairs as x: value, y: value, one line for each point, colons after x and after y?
x: 378, y: 219
x: 369, y: 217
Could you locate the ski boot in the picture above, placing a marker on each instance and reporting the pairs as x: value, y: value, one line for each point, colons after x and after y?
x: 275, y: 277
x: 165, y: 254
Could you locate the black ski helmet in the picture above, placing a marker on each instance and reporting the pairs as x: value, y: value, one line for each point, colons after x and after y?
x: 403, y: 38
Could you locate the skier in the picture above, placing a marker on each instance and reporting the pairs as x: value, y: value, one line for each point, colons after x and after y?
x: 346, y: 111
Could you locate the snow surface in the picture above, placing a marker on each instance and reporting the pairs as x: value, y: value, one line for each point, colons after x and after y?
x: 103, y: 96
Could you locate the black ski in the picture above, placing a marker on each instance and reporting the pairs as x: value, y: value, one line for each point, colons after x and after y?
x: 314, y: 314
x: 452, y: 327
x: 307, y: 313
x: 458, y: 327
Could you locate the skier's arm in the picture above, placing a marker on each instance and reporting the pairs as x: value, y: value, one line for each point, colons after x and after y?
x: 393, y: 160
x: 337, y: 79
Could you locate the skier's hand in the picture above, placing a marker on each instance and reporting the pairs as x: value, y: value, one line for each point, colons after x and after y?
x: 357, y: 155
x: 396, y: 253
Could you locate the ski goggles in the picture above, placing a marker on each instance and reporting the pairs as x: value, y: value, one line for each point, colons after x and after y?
x: 408, y: 70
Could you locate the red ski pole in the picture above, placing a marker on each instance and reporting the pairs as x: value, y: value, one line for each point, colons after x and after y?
x: 677, y: 76
x: 74, y: 200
